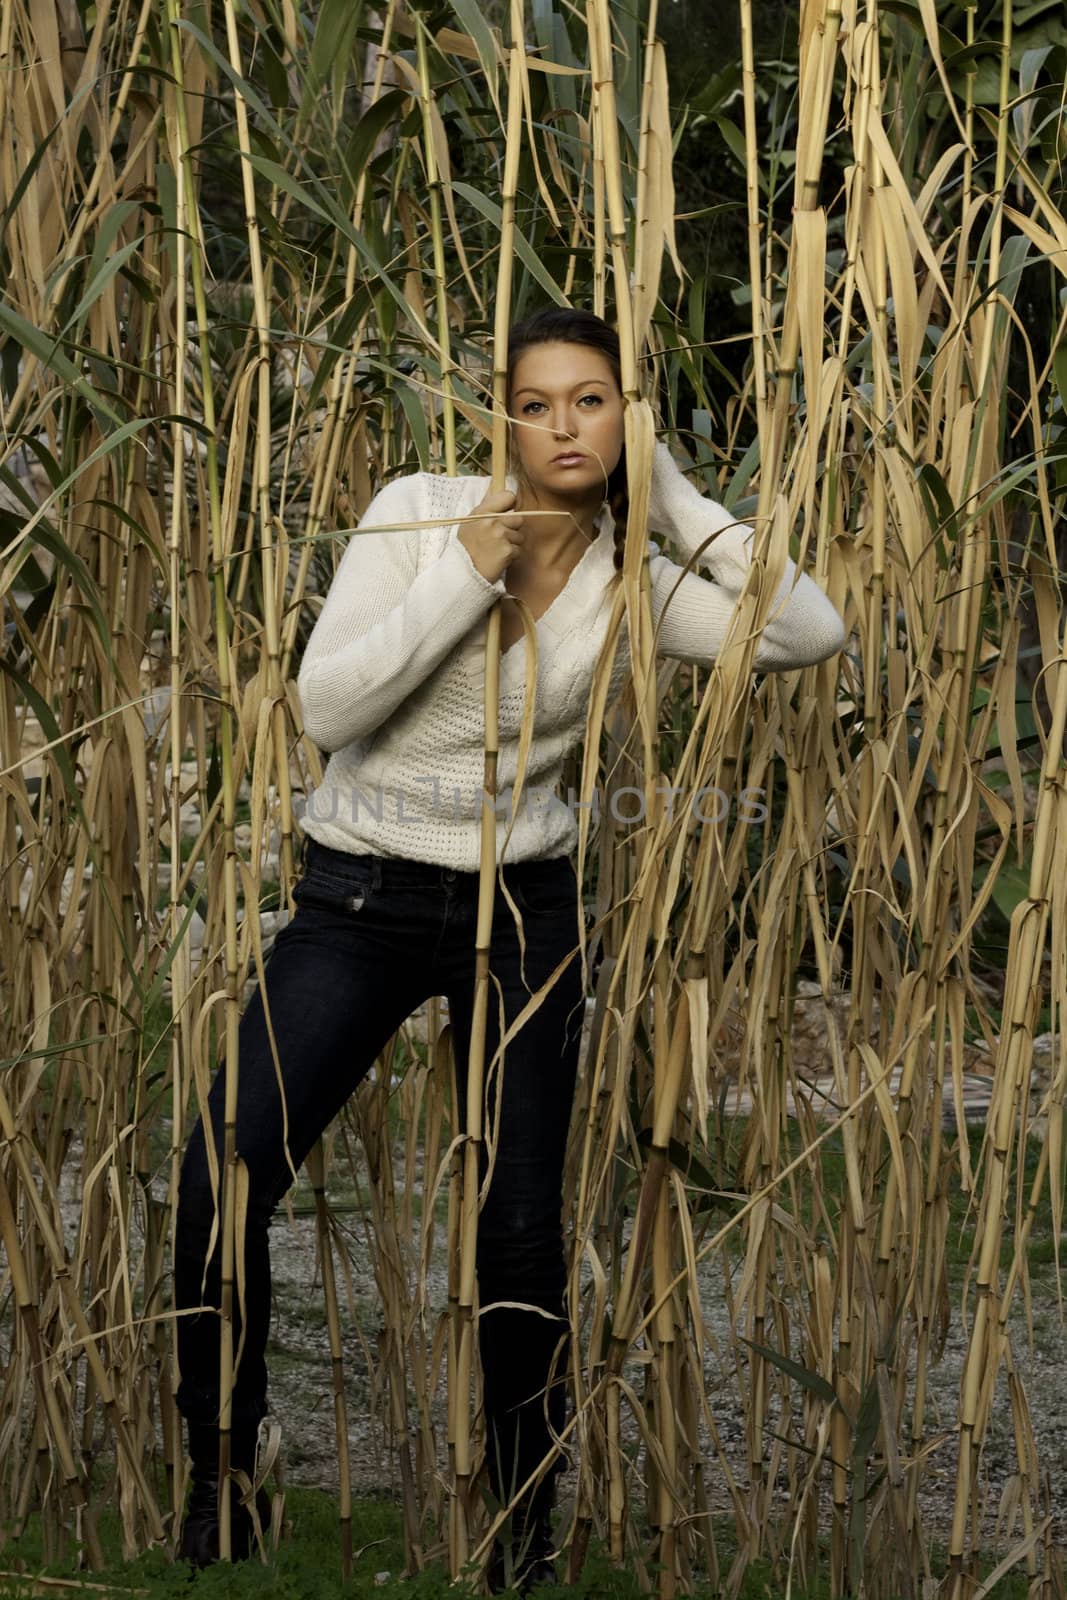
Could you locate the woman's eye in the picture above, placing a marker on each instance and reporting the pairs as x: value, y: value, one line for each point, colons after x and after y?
x: 595, y: 398
x: 531, y: 405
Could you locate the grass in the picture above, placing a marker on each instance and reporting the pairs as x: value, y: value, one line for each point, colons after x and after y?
x: 307, y: 1566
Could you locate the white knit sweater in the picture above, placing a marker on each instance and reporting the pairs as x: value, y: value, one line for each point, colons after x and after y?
x: 392, y: 680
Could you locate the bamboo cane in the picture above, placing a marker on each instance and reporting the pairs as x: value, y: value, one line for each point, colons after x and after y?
x: 472, y: 1150
x: 274, y: 562
x: 752, y: 205
x: 433, y: 180
x: 316, y: 1166
x: 228, y: 789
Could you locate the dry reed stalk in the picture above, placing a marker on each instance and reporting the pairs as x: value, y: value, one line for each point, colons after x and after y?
x: 342, y: 382
x: 433, y: 181
x: 316, y: 1166
x: 219, y: 554
x: 28, y: 1313
x: 460, y: 1529
x: 271, y: 756
x: 752, y: 204
x: 652, y: 1221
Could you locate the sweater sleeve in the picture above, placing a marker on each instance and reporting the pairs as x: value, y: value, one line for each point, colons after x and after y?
x: 693, y: 614
x: 385, y: 626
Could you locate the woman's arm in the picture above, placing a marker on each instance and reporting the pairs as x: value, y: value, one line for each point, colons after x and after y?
x: 384, y: 627
x: 694, y: 615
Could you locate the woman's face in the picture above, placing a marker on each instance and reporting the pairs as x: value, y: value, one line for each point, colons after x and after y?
x: 566, y: 419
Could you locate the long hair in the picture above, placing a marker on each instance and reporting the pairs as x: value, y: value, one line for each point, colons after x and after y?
x: 564, y: 325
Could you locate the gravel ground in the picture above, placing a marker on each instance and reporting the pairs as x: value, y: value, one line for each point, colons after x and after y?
x: 301, y: 1394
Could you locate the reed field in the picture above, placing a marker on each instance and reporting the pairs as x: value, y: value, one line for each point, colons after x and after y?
x: 259, y: 259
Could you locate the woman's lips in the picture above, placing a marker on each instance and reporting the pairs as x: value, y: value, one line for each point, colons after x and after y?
x: 573, y: 459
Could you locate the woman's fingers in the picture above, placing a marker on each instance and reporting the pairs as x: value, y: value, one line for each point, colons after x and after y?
x: 494, y: 534
x: 496, y: 501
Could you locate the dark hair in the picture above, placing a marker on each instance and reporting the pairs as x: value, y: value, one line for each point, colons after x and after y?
x: 565, y: 325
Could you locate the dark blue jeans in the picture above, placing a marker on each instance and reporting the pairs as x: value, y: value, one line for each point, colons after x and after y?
x: 371, y: 939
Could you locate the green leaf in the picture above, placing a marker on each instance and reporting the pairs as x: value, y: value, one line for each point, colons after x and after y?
x: 866, y: 1430
x: 743, y: 476
x: 111, y: 224
x: 46, y: 1052
x: 1012, y: 886
x: 814, y: 1382
x: 856, y: 1537
x: 695, y: 1173
x: 53, y: 735
x: 154, y: 991
x: 276, y: 174
x: 1010, y: 481
x: 940, y: 511
x: 322, y: 204
x: 1059, y: 367
x: 369, y: 129
x: 735, y: 139
x: 906, y: 9
x: 717, y: 93
x: 100, y: 281
x: 489, y: 209
x: 1023, y: 14
x: 411, y: 400
x: 474, y: 23
x: 167, y: 191
x: 332, y: 44
x: 39, y: 531
x: 275, y: 76
x: 1013, y: 261
x: 15, y: 486
x: 49, y: 540
x: 339, y: 340
x: 46, y: 349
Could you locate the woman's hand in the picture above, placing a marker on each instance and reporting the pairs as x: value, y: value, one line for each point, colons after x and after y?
x: 497, y: 538
x: 677, y: 507
x: 670, y: 493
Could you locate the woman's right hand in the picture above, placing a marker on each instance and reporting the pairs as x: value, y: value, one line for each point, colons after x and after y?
x: 496, y: 539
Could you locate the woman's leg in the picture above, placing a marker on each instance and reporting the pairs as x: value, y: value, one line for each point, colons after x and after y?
x: 520, y: 1242
x: 343, y: 975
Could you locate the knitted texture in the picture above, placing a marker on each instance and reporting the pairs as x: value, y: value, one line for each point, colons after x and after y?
x: 392, y: 680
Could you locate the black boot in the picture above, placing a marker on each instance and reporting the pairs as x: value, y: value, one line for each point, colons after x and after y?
x: 524, y: 1561
x: 200, y: 1530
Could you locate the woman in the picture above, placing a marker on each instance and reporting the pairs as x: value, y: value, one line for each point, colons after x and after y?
x: 392, y: 685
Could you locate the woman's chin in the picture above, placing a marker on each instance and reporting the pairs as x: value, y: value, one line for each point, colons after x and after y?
x: 568, y: 483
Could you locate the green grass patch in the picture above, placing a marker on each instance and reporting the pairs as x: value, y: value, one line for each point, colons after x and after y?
x: 307, y: 1566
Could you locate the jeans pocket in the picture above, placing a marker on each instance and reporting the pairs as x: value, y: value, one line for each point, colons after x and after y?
x: 343, y: 888
x: 547, y: 888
